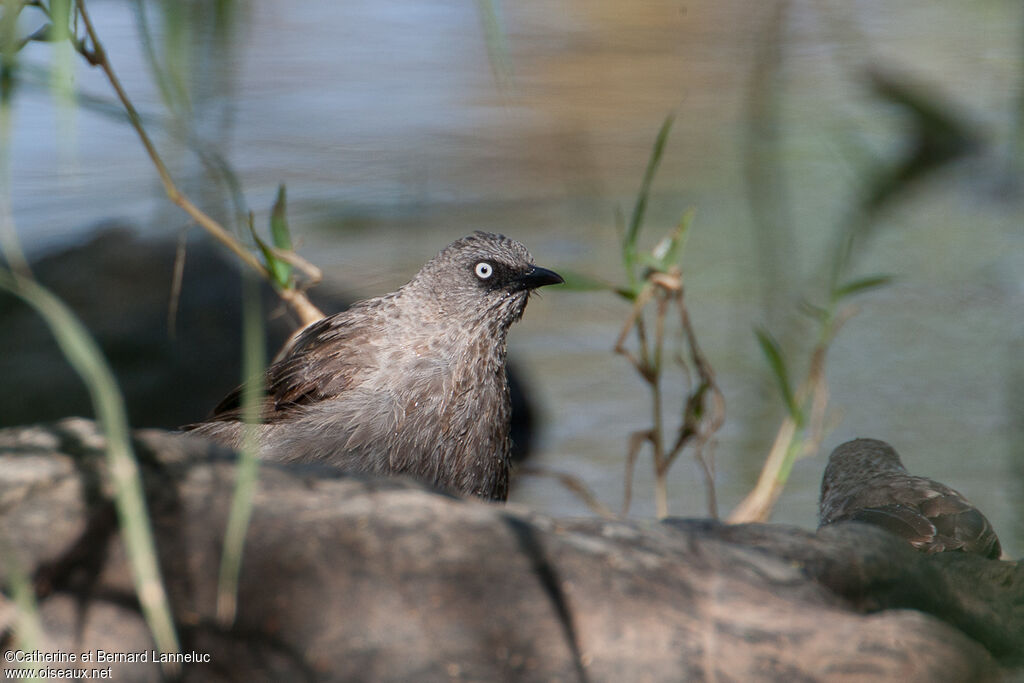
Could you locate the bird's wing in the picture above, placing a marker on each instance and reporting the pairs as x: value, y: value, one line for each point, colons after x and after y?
x: 940, y: 523
x: 901, y: 520
x: 326, y: 359
x: 961, y: 525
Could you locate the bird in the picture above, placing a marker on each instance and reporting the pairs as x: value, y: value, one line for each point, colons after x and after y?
x: 409, y: 383
x: 865, y: 481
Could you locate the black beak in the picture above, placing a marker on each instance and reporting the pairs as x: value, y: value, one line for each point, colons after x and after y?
x: 538, y: 277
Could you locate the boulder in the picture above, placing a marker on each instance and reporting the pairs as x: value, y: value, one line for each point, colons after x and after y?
x: 353, y: 578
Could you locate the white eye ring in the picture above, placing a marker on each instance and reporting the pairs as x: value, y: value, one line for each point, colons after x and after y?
x: 483, y: 270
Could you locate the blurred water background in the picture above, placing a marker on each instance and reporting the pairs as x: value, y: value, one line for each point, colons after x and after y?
x: 400, y: 126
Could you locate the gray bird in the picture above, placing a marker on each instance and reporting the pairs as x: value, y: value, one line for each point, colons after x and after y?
x: 866, y: 482
x: 411, y: 383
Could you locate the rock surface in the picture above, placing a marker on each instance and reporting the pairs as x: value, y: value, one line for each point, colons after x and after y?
x: 348, y: 578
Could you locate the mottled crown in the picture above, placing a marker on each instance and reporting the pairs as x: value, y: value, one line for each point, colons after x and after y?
x: 864, y: 457
x: 472, y: 249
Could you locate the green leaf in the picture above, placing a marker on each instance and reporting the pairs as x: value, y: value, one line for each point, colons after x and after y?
x: 279, y: 221
x: 670, y: 248
x: 640, y: 208
x: 861, y: 285
x: 628, y: 293
x: 773, y: 354
x: 275, y: 266
x: 813, y: 311
x: 579, y: 282
x: 649, y: 261
x: 282, y: 270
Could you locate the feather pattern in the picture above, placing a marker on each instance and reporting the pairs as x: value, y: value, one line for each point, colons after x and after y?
x: 411, y: 383
x: 865, y: 481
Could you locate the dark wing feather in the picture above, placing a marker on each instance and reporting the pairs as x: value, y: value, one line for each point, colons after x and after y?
x: 961, y: 525
x: 933, y: 525
x: 897, y: 519
x: 323, y: 361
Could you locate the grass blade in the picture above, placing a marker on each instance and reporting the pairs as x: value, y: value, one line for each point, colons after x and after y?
x: 276, y: 268
x: 281, y: 269
x: 773, y: 354
x: 279, y: 221
x: 670, y: 249
x: 247, y: 472
x: 861, y: 285
x: 580, y: 282
x: 86, y: 358
x: 28, y: 631
x: 640, y: 208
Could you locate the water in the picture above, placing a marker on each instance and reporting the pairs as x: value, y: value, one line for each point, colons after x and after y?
x: 393, y: 136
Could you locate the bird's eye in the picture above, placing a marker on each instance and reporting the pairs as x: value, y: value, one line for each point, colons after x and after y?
x: 483, y: 270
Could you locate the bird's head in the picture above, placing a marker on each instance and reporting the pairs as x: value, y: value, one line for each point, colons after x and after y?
x: 861, y: 459
x: 482, y: 279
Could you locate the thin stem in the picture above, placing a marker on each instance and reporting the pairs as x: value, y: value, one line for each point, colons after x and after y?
x: 635, y: 319
x: 660, y: 468
x: 660, y: 471
x: 299, y: 302
x: 10, y: 245
x: 574, y: 484
x: 247, y: 471
x: 27, y: 626
x: 646, y: 367
x: 636, y: 441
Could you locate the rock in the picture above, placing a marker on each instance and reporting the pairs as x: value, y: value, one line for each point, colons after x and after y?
x: 352, y: 578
